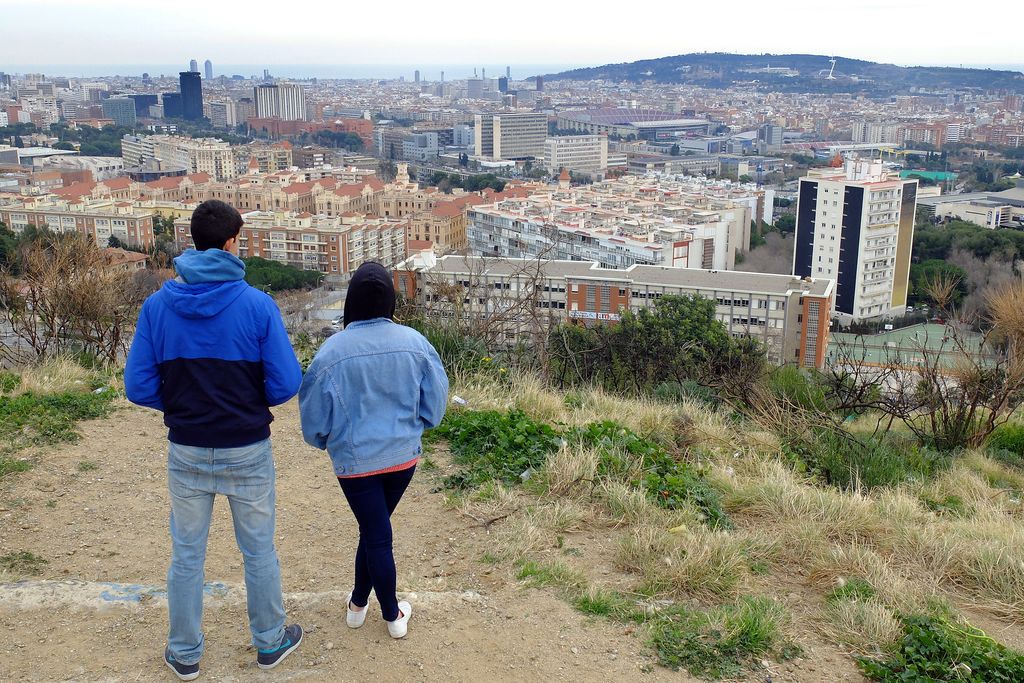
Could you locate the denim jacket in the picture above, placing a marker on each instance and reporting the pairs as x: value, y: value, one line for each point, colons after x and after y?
x: 369, y: 393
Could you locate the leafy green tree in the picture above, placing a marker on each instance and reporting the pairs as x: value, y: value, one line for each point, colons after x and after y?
x: 64, y: 145
x: 8, y: 246
x: 678, y: 340
x: 272, y: 276
x: 922, y: 275
x: 674, y: 151
x: 786, y: 223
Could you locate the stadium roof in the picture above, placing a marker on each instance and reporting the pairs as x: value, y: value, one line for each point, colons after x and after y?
x: 618, y: 116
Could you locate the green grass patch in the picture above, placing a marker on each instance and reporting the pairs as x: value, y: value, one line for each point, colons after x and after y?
x: 934, y: 648
x: 40, y: 420
x: 556, y: 574
x: 852, y: 589
x: 9, y: 381
x: 671, y: 483
x: 493, y: 445
x: 1008, y: 437
x: 509, y: 447
x: 87, y: 466
x: 9, y: 465
x: 949, y: 505
x: 721, y: 642
x: 609, y: 604
x: 848, y: 461
x: 22, y: 562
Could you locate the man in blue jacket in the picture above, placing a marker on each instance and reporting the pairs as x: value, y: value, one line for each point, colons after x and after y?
x: 212, y: 353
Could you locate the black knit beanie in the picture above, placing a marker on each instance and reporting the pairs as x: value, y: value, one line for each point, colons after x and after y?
x: 371, y: 294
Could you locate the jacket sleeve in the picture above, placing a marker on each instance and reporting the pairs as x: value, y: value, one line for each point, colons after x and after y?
x: 281, y: 370
x: 142, y: 382
x: 316, y: 407
x: 433, y: 389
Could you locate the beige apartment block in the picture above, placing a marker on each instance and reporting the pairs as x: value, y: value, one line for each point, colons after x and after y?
x: 788, y: 315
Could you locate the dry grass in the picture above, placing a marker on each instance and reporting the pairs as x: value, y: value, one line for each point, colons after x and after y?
x: 775, y: 494
x: 957, y: 538
x: 866, y: 626
x: 56, y: 375
x: 691, y: 561
x: 572, y: 471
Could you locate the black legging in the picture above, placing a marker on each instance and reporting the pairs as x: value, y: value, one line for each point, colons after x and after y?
x: 372, y: 500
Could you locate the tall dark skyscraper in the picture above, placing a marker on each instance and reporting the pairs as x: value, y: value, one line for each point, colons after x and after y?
x: 191, y: 95
x: 540, y: 83
x: 503, y: 84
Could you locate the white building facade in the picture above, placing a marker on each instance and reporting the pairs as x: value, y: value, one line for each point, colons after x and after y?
x: 856, y: 227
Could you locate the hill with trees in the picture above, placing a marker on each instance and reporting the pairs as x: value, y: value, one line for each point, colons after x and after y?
x: 795, y: 73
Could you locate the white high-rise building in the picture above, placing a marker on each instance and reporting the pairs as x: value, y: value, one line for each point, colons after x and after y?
x: 856, y: 226
x: 875, y: 132
x: 280, y: 100
x: 198, y: 155
x: 510, y: 136
x: 578, y: 153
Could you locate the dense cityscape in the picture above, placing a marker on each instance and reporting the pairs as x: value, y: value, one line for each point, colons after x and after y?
x: 722, y: 364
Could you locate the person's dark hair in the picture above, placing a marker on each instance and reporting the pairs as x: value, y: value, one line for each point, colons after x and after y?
x: 214, y: 223
x: 371, y: 294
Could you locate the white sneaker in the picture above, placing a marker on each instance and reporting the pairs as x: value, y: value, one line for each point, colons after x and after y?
x: 352, y: 618
x: 400, y: 626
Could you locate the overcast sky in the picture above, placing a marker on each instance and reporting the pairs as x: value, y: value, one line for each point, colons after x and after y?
x: 498, y: 32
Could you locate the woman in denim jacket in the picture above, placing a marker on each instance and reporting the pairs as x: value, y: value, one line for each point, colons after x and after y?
x: 368, y: 395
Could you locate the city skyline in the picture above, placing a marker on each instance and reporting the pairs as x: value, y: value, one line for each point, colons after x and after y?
x: 224, y: 36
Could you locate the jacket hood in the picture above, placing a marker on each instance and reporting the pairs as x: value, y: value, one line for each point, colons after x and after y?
x: 211, y: 265
x: 371, y: 294
x: 203, y: 300
x: 209, y: 281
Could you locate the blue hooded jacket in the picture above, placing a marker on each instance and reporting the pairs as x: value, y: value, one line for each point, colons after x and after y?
x: 212, y: 353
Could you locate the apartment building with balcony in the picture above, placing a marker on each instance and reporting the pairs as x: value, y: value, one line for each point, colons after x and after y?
x: 617, y: 224
x: 333, y: 245
x: 855, y: 226
x: 99, y: 219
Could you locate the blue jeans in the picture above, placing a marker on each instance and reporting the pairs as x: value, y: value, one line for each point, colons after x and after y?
x: 246, y: 476
x: 373, y: 499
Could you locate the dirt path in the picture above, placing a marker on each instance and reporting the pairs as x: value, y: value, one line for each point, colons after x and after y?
x: 96, y: 611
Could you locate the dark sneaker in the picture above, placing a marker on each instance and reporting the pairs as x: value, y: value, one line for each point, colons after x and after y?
x: 268, y: 659
x: 186, y: 672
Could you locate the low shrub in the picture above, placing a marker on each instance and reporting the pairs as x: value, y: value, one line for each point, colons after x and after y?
x: 509, y: 447
x: 671, y: 483
x: 848, y: 461
x: 9, y: 381
x: 494, y: 445
x: 722, y: 642
x: 1006, y: 443
x: 674, y: 392
x: 933, y: 648
x: 797, y: 389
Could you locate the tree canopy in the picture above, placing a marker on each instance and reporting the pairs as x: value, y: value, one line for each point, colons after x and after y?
x: 272, y: 276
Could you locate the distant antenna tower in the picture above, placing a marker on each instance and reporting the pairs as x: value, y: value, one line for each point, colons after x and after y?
x: 830, y: 77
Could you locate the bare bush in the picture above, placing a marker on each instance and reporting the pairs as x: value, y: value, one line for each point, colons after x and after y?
x: 949, y: 397
x: 69, y: 297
